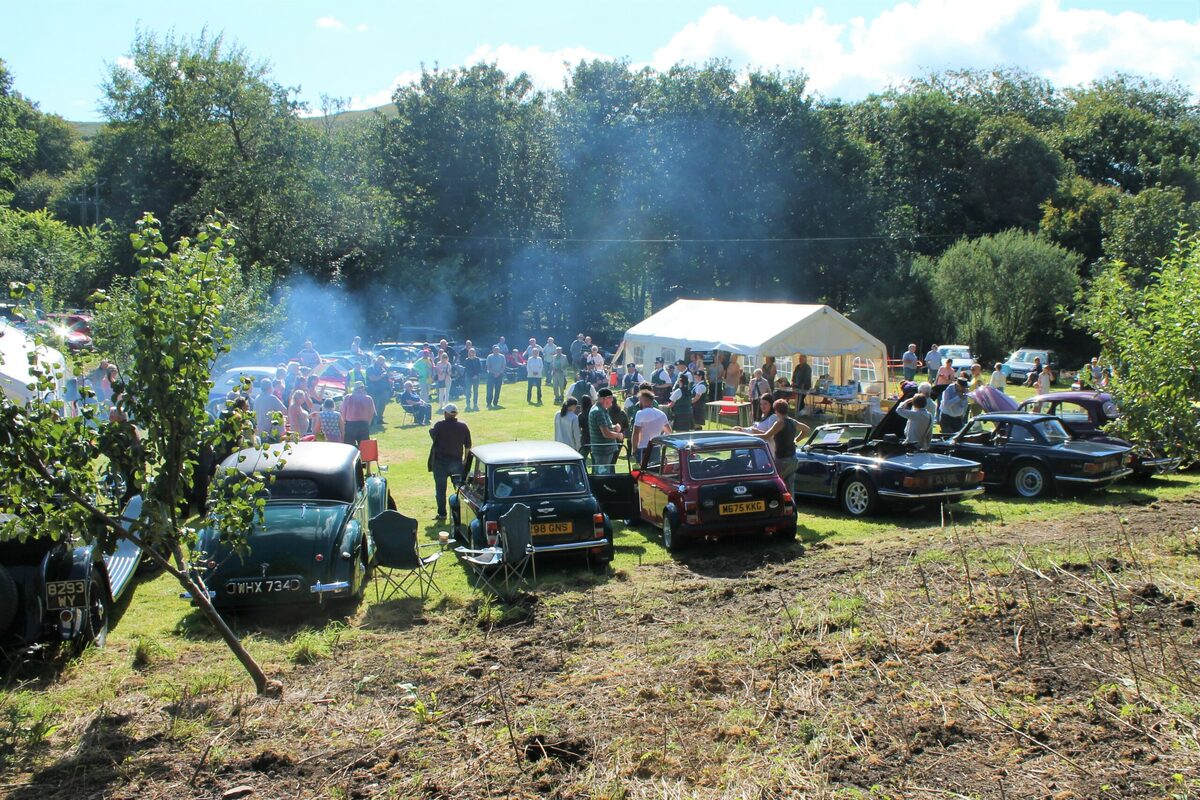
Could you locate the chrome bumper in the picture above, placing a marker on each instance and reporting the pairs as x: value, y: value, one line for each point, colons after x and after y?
x: 1161, y: 464
x: 327, y: 588
x: 1121, y: 473
x: 961, y: 493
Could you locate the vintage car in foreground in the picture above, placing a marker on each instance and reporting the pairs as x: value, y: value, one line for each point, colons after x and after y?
x: 314, y: 544
x: 1034, y: 454
x: 549, y: 478
x: 709, y: 484
x: 1085, y: 414
x: 62, y: 591
x: 861, y: 468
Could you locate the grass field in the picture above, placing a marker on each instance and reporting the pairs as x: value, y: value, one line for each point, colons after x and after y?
x: 731, y: 669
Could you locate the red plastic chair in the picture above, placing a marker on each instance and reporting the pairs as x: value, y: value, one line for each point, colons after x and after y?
x: 368, y: 450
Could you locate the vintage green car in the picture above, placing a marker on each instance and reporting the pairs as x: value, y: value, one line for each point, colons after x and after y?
x: 314, y: 544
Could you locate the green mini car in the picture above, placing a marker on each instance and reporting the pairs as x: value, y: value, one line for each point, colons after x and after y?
x: 314, y: 545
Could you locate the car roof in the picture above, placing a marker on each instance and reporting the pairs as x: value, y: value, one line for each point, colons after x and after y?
x: 694, y: 439
x: 331, y: 465
x: 523, y: 452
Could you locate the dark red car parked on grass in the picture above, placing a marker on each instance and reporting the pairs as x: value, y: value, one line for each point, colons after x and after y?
x: 710, y: 484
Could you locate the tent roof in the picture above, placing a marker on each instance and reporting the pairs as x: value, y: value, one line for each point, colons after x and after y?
x: 758, y: 329
x: 15, y: 347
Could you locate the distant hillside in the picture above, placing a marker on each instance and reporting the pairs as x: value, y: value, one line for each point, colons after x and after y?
x: 89, y: 129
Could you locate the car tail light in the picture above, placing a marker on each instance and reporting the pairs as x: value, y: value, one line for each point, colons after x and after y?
x: 915, y: 481
x: 493, y: 532
x: 690, y: 513
x: 978, y: 475
x: 66, y: 616
x: 1092, y: 466
x: 788, y: 507
x: 597, y: 526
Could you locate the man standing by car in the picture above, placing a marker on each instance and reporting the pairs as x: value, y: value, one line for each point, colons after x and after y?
x: 952, y: 410
x: 910, y: 361
x: 918, y: 430
x: 308, y: 356
x: 379, y: 386
x: 801, y: 381
x: 495, y: 376
x: 451, y: 442
x: 266, y: 406
x: 358, y: 409
x: 933, y: 361
x: 605, y: 435
x: 648, y: 422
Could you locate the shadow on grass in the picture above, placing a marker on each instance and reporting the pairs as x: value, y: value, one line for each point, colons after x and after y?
x: 398, y: 613
x: 276, y: 624
x: 93, y: 766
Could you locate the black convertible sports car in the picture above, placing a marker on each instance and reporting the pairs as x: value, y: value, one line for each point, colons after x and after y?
x: 1033, y: 454
x: 861, y: 467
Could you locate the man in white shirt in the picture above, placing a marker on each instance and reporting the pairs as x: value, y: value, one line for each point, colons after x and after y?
x: 648, y: 422
x: 533, y: 374
x: 918, y: 430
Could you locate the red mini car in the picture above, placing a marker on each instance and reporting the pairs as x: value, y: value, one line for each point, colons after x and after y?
x: 712, y: 484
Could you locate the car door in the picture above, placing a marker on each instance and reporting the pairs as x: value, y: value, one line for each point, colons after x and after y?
x: 982, y: 441
x: 615, y: 489
x: 655, y: 481
x: 816, y: 467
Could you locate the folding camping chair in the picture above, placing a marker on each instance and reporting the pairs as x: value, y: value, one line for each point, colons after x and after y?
x: 399, y: 564
x: 508, y: 560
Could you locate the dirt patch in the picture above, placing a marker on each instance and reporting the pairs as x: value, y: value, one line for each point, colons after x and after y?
x: 1047, y: 660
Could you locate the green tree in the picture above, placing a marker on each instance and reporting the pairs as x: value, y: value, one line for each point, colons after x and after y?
x: 62, y: 260
x: 18, y: 144
x: 1149, y: 331
x: 49, y: 461
x: 1072, y: 216
x: 997, y: 287
x: 1141, y: 229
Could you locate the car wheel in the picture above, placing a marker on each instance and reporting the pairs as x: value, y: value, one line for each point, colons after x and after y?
x: 788, y: 534
x: 1029, y: 481
x: 858, y: 496
x: 669, y: 536
x: 95, y: 620
x: 8, y: 600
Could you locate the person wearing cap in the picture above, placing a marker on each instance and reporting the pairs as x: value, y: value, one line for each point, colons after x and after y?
x: 358, y: 409
x: 631, y: 380
x: 952, y: 410
x: 451, y: 442
x: 604, y: 435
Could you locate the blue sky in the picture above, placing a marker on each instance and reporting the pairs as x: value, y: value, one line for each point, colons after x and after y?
x: 59, y: 52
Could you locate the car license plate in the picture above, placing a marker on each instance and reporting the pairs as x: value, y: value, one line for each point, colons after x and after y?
x: 745, y: 507
x: 946, y: 480
x: 244, y: 586
x: 550, y: 528
x: 65, y: 594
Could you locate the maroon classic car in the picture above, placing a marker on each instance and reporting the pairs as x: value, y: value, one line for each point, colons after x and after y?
x: 1086, y: 413
x: 709, y: 484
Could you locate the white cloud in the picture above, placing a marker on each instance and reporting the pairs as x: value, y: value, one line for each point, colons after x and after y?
x: 546, y: 68
x: 125, y: 62
x: 362, y: 27
x: 1068, y: 46
x: 330, y: 22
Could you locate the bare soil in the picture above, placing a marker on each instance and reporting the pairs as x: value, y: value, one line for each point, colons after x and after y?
x: 1056, y: 660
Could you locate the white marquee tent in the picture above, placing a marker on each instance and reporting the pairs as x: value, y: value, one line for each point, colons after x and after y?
x: 756, y: 330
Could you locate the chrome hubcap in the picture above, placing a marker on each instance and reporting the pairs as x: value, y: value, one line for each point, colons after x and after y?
x: 1029, y: 481
x: 857, y: 498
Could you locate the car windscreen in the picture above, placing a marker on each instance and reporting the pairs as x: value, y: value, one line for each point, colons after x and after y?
x: 734, y: 462
x: 532, y: 480
x: 955, y: 352
x: 841, y: 435
x: 1052, y: 431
